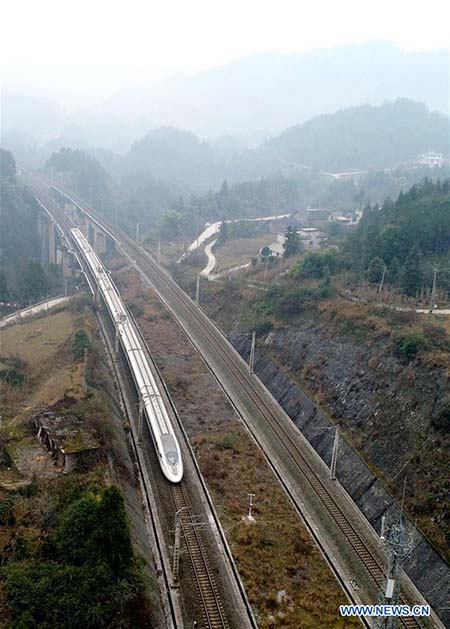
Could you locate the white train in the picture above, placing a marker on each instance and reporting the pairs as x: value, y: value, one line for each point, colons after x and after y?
x: 158, y: 421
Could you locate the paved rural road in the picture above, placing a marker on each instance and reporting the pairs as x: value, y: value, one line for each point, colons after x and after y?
x: 214, y: 228
x: 31, y: 310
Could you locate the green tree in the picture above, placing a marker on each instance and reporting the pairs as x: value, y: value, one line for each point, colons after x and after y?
x: 292, y: 245
x: 170, y: 224
x: 412, y: 272
x: 376, y: 269
x: 223, y: 232
x: 4, y: 295
x: 33, y: 281
x: 95, y: 529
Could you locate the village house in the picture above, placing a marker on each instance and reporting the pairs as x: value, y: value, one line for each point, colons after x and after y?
x: 310, y: 239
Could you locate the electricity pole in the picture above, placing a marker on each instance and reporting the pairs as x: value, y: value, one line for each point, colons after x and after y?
x: 177, y: 547
x: 159, y: 253
x: 380, y: 287
x: 197, y: 291
x: 137, y: 232
x: 334, y: 454
x: 397, y: 543
x: 249, y: 517
x: 252, y: 353
x: 433, y: 290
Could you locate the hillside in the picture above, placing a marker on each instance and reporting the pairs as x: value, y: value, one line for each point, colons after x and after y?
x: 364, y: 137
x: 335, y: 353
x: 251, y: 97
x: 409, y: 236
x: 21, y: 275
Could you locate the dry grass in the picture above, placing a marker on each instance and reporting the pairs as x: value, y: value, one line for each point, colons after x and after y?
x: 240, y: 251
x: 37, y: 340
x: 286, y: 579
x: 50, y: 373
x: 277, y: 552
x: 43, y: 345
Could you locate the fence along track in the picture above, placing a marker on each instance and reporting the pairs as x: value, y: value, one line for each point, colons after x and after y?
x: 213, y: 613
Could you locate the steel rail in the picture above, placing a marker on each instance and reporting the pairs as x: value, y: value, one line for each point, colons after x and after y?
x: 213, y: 612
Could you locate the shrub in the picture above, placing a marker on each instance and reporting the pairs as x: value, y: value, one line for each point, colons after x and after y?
x: 137, y: 309
x: 60, y: 595
x: 442, y: 419
x: 317, y: 265
x: 13, y: 374
x: 228, y: 442
x: 263, y: 327
x: 408, y: 346
x: 89, y: 577
x: 80, y: 343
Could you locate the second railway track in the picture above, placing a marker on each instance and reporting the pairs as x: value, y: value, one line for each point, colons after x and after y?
x: 213, y: 613
x: 359, y: 547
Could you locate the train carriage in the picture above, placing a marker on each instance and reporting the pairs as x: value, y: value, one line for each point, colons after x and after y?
x: 158, y: 420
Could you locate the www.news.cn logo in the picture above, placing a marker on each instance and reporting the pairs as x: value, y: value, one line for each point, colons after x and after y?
x: 384, y: 610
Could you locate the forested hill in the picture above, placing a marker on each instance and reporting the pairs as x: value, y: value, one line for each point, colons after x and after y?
x: 363, y: 137
x: 409, y: 236
x: 21, y: 276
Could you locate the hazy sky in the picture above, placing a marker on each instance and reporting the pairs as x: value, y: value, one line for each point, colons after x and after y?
x: 98, y: 46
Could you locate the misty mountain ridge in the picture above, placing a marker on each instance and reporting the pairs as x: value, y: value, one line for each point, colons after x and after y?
x: 251, y: 98
x: 364, y: 137
x: 271, y: 91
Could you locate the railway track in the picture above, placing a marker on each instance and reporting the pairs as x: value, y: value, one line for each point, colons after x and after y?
x: 214, y: 616
x: 359, y: 546
x: 213, y: 612
x: 165, y: 286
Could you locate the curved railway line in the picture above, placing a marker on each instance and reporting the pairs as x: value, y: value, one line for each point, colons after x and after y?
x: 214, y: 616
x: 164, y: 285
x: 360, y: 548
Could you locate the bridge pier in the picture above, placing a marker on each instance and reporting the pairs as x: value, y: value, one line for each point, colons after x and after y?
x: 64, y: 259
x: 50, y: 239
x: 99, y: 242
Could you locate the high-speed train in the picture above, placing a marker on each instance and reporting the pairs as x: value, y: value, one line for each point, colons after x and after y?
x: 158, y: 421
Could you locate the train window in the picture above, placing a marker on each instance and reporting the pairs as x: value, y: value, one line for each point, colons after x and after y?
x: 170, y: 449
x: 172, y: 458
